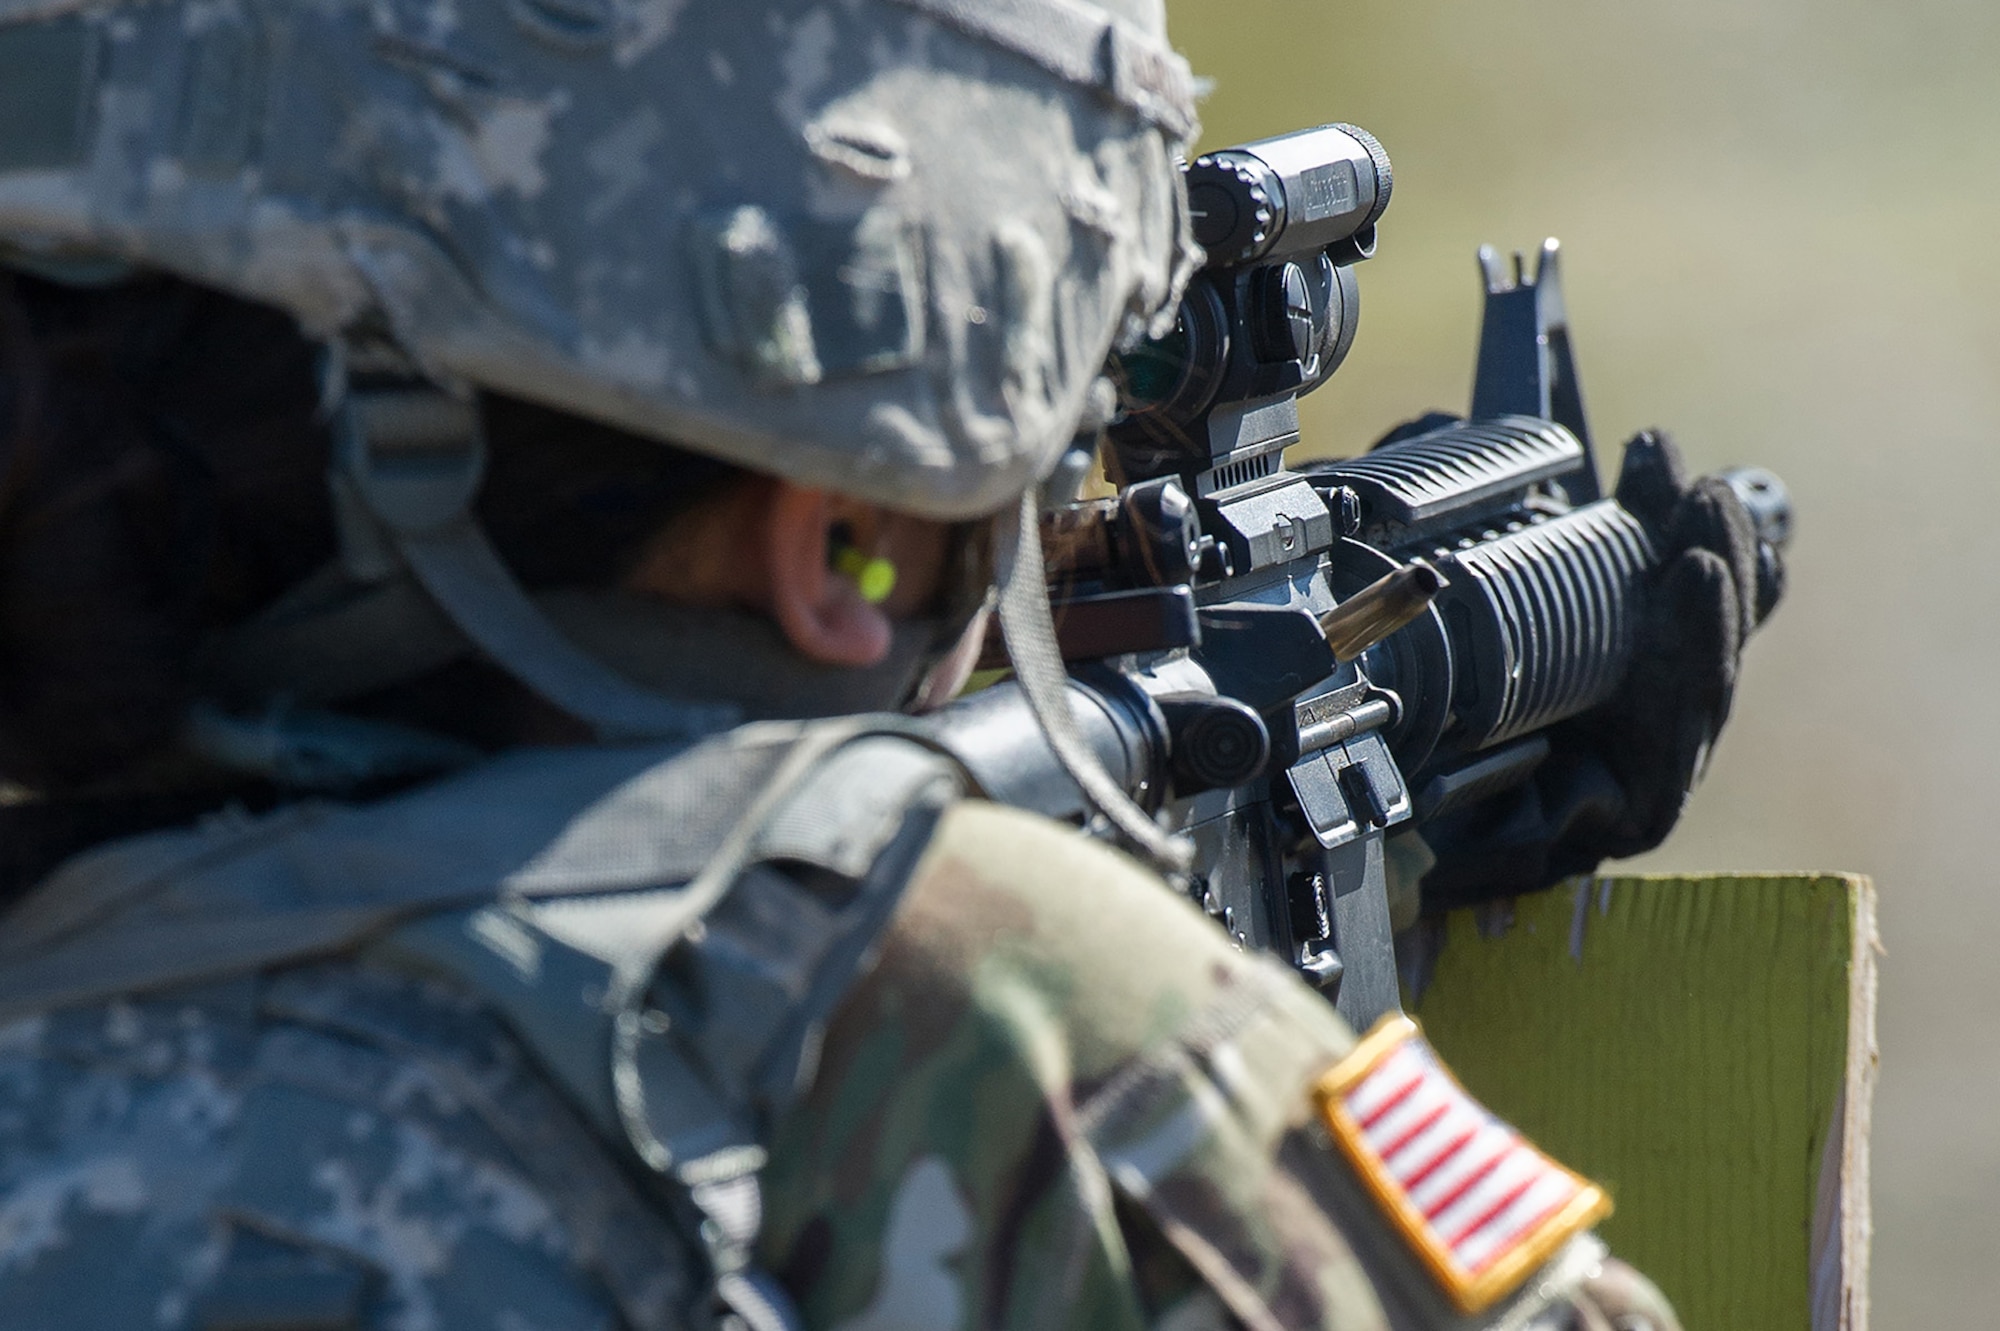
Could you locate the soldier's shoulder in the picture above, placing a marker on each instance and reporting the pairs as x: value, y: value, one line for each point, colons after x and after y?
x: 1062, y: 889
x: 1415, y: 1189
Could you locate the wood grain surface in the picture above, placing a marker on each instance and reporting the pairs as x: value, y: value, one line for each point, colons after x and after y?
x: 1704, y: 1047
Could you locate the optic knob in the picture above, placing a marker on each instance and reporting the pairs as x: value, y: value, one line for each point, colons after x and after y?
x: 1282, y: 327
x: 1230, y: 197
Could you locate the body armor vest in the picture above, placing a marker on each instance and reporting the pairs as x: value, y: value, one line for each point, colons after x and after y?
x: 667, y: 930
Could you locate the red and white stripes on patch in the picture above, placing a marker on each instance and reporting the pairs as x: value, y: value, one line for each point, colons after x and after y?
x: 1478, y: 1186
x: 1480, y: 1204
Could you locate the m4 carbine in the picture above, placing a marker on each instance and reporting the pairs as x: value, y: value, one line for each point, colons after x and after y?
x: 1286, y: 664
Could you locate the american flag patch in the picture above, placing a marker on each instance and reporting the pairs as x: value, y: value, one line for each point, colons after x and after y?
x: 1482, y: 1207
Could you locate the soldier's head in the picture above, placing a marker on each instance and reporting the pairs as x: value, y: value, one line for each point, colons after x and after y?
x: 849, y: 270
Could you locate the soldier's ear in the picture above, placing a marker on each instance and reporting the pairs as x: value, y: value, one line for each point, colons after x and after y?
x: 822, y: 612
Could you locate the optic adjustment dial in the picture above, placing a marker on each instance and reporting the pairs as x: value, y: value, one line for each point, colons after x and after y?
x: 1281, y: 314
x: 1232, y: 200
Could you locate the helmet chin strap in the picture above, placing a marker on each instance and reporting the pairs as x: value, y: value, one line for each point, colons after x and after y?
x: 1028, y: 627
x: 408, y: 462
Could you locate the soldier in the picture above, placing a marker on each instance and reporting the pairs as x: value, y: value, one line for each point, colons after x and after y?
x: 478, y: 443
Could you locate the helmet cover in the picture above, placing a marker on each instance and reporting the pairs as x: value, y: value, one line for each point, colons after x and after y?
x: 881, y: 246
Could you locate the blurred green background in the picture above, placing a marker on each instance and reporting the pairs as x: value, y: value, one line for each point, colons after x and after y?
x: 1780, y: 224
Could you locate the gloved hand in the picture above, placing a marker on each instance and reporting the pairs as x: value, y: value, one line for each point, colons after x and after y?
x: 1618, y: 776
x: 1618, y: 1298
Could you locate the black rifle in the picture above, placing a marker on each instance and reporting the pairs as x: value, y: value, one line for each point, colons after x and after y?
x: 1286, y: 664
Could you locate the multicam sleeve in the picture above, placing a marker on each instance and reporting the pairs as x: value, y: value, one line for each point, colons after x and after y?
x: 1062, y: 1099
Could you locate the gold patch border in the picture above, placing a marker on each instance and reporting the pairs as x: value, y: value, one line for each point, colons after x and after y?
x: 1468, y: 1293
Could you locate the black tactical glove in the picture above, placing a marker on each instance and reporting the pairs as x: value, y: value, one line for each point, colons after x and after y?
x: 1618, y: 1298
x: 1617, y: 776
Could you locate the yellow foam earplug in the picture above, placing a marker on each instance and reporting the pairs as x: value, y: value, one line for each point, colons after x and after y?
x: 873, y: 575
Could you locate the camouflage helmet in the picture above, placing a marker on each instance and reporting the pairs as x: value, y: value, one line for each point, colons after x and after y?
x: 877, y: 245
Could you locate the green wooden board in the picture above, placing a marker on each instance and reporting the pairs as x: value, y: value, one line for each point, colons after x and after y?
x: 1704, y: 1048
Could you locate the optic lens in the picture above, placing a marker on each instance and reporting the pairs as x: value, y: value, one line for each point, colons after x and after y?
x: 1153, y: 372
